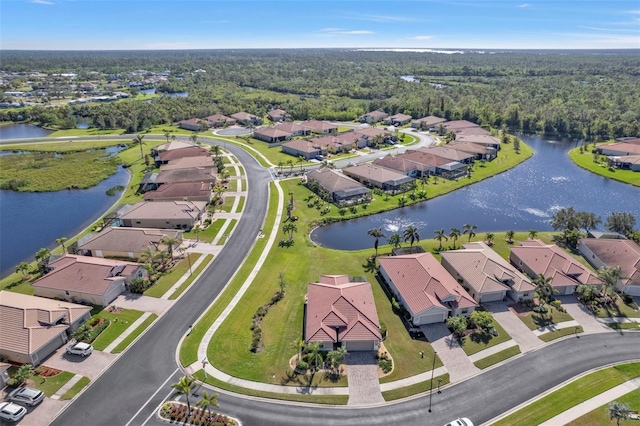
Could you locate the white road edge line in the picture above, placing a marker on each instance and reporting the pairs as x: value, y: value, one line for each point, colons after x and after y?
x: 155, y: 410
x: 152, y: 396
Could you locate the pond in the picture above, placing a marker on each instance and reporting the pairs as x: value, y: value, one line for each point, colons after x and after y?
x: 525, y: 197
x: 152, y: 91
x: 18, y: 131
x: 33, y: 220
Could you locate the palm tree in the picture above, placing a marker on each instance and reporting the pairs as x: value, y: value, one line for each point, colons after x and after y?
x: 469, y: 229
x: 194, y: 137
x: 184, y: 387
x: 23, y: 268
x: 544, y: 289
x: 170, y: 242
x: 82, y: 333
x: 300, y: 161
x: 42, y: 257
x: 488, y: 237
x: 60, y: 241
x: 395, y: 240
x: 280, y: 165
x: 411, y: 234
x: 439, y: 236
x: 510, y: 235
x: 167, y: 135
x: 138, y: 140
x: 208, y: 400
x: 532, y: 234
x: 454, y: 235
x: 377, y: 234
x: 313, y: 349
x: 619, y: 411
x: 298, y: 345
x: 215, y: 149
x: 609, y: 277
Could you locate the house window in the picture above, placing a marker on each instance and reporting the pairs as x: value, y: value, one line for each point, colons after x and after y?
x: 525, y: 295
x: 465, y: 311
x: 66, y: 293
x: 138, y: 222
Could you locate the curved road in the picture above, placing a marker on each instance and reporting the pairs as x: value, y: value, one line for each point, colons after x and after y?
x: 139, y: 380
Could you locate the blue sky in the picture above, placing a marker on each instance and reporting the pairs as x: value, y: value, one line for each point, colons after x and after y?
x: 152, y: 24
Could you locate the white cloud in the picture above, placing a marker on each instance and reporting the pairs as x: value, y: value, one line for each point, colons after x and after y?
x: 341, y: 31
x: 524, y: 5
x: 390, y: 18
x: 422, y: 37
x: 48, y: 3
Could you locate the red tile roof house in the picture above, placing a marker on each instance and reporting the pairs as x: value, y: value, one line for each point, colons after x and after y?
x: 219, y: 120
x: 430, y: 122
x: 403, y: 165
x: 425, y: 288
x: 194, y: 124
x: 619, y: 149
x: 193, y: 174
x: 194, y: 151
x: 334, y: 144
x: 485, y: 140
x: 428, y: 163
x: 293, y: 128
x: 373, y: 116
x: 319, y: 127
x: 627, y: 162
x: 277, y: 115
x: 367, y: 135
x: 117, y: 242
x: 612, y: 253
x: 188, y: 162
x: 87, y: 279
x: 271, y: 134
x: 450, y: 153
x: 534, y: 257
x: 32, y: 327
x: 340, y: 187
x: 340, y: 313
x: 161, y: 214
x: 398, y: 119
x: 245, y: 119
x: 380, y: 177
x: 481, y: 152
x: 486, y: 275
x: 303, y: 148
x: 181, y: 191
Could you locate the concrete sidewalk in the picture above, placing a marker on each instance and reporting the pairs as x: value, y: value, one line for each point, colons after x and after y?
x: 183, y: 278
x: 127, y: 332
x: 555, y: 327
x: 492, y: 350
x: 65, y: 388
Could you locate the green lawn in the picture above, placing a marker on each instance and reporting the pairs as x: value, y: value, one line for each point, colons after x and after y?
x: 232, y: 185
x: 623, y: 326
x: 227, y: 232
x: 479, y: 341
x: 585, y: 160
x: 228, y: 203
x: 547, y: 337
x: 131, y: 337
x: 496, y: 358
x: 70, y: 146
x: 600, y: 416
x: 118, y: 324
x: 48, y: 385
x: 534, y: 320
x: 207, y: 235
x: 571, y: 395
x: 240, y: 205
x: 416, y: 389
x: 81, y: 384
x: 619, y: 310
x: 171, y: 277
x: 185, y: 285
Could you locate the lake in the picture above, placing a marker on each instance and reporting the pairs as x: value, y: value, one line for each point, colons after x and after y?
x: 30, y: 221
x: 525, y: 197
x: 18, y: 131
x: 152, y: 91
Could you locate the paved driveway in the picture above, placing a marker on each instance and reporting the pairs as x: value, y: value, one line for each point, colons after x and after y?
x: 90, y: 366
x: 128, y: 300
x: 582, y: 315
x: 450, y: 352
x: 518, y: 331
x: 42, y: 413
x: 364, y: 385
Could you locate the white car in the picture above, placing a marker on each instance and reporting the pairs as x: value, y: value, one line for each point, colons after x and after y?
x: 26, y: 396
x: 11, y: 412
x: 460, y: 422
x: 80, y: 348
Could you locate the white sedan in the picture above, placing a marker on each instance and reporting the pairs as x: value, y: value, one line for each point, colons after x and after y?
x: 460, y: 421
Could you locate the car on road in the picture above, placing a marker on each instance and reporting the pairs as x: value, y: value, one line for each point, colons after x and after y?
x: 11, y: 412
x: 26, y: 396
x: 460, y: 421
x: 80, y: 348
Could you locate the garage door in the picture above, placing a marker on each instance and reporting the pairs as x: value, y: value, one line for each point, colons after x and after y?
x: 366, y: 345
x: 633, y: 290
x: 492, y: 297
x: 431, y: 319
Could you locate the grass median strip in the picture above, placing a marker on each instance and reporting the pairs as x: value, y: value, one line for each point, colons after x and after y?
x: 415, y: 389
x: 118, y: 323
x: 131, y: 337
x: 84, y: 381
x: 600, y: 416
x: 498, y: 357
x: 207, y: 235
x: 185, y: 285
x: 227, y: 232
x: 552, y: 335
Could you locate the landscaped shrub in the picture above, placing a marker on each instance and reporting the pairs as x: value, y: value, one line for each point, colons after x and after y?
x: 302, y: 365
x: 139, y: 285
x: 98, y: 329
x: 558, y: 305
x: 540, y: 309
x: 384, y: 362
x: 383, y: 330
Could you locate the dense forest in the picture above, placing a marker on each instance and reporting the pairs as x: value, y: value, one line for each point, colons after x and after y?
x: 590, y: 94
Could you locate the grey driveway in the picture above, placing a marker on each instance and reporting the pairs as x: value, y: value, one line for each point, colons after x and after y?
x: 364, y: 385
x: 582, y: 315
x: 139, y: 302
x: 90, y: 366
x: 514, y: 326
x: 450, y: 352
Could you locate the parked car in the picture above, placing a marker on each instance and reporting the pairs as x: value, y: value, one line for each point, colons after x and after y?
x: 11, y: 412
x: 416, y: 333
x: 460, y: 422
x: 26, y: 396
x: 80, y: 348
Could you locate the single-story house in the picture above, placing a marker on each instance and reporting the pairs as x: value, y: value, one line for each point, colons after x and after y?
x: 627, y: 162
x: 194, y: 124
x: 612, y: 253
x: 170, y: 146
x: 124, y: 243
x: 629, y: 139
x: 534, y: 257
x: 319, y: 127
x: 34, y: 327
x: 339, y: 186
x: 303, y: 148
x: 194, y: 174
x: 188, y: 162
x: 181, y: 191
x: 87, y: 279
x: 619, y: 149
x: 219, y: 120
x: 148, y: 182
x: 486, y: 275
x: 402, y: 165
x: 422, y: 285
x: 484, y: 140
x: 428, y: 163
x: 246, y: 119
x: 271, y: 134
x: 341, y: 313
x: 161, y: 214
x: 457, y: 125
x: 481, y: 152
x: 277, y: 115
x: 373, y: 175
x: 430, y: 122
x: 334, y: 144
x: 373, y: 116
x: 367, y: 135
x: 293, y: 128
x: 449, y: 153
x: 193, y: 151
x: 4, y: 374
x: 398, y: 119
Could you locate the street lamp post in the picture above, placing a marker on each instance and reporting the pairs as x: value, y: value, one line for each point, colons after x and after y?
x: 439, y: 383
x: 204, y: 367
x: 433, y: 367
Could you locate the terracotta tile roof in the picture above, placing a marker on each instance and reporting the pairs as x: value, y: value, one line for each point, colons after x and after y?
x: 195, y: 174
x: 336, y: 141
x: 193, y: 151
x: 333, y: 180
x: 624, y: 147
x: 478, y: 139
x: 370, y: 132
x: 336, y: 302
x: 180, y: 189
x: 91, y: 275
x: 485, y: 270
x: 459, y: 124
x: 191, y: 121
x: 165, y: 209
x: 242, y: 116
x: 377, y: 173
x: 188, y: 162
x: 398, y: 163
x: 423, y: 157
x: 302, y: 145
x: 377, y: 114
x: 471, y: 131
x: 277, y: 114
x: 29, y: 322
x: 446, y: 152
x: 472, y: 148
x: 623, y: 253
x: 290, y: 127
x: 219, y: 118
x: 551, y: 261
x: 318, y: 126
x: 423, y: 282
x: 271, y: 132
x: 132, y: 240
x: 429, y: 120
x: 400, y: 117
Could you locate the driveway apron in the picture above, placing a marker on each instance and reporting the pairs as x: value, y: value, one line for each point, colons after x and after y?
x: 579, y: 313
x: 364, y: 385
x: 450, y: 352
x: 518, y: 331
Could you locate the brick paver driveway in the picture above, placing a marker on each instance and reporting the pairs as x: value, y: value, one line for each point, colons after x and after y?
x: 514, y: 326
x: 90, y: 366
x: 582, y: 315
x: 364, y: 385
x: 450, y: 352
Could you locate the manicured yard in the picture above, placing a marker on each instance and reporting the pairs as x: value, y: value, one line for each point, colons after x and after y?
x: 600, y: 416
x: 571, y: 395
x: 416, y: 389
x: 496, y: 358
x: 75, y: 389
x: 185, y: 285
x: 119, y: 322
x: 535, y: 320
x: 547, y: 337
x: 232, y: 185
x: 171, y: 277
x: 620, y: 309
x: 208, y: 234
x: 585, y: 160
x: 479, y: 341
x: 131, y: 337
x: 240, y: 205
x: 227, y: 232
x: 48, y: 385
x: 228, y: 203
x: 624, y: 325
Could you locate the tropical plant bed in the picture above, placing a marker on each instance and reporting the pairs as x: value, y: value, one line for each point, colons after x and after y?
x: 179, y: 412
x: 535, y: 320
x: 618, y: 309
